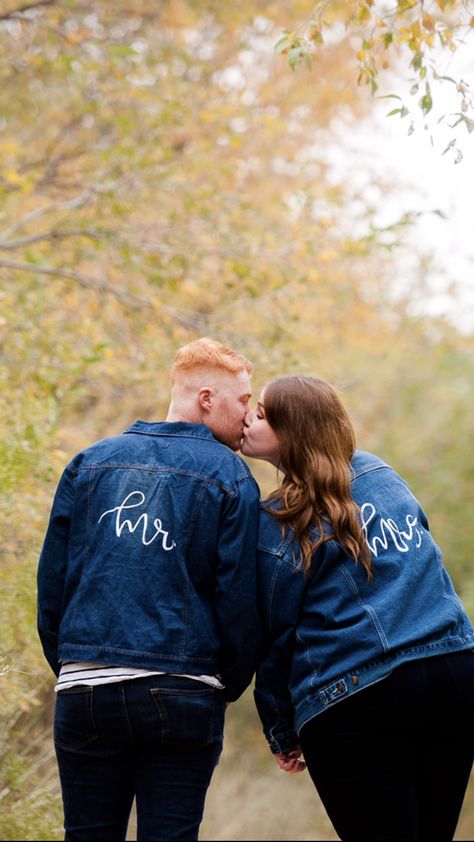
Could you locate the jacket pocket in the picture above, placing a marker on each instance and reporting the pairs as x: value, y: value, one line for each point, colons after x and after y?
x: 190, y: 716
x: 73, y: 722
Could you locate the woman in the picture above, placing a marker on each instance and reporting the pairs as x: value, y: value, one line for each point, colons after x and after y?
x: 367, y: 668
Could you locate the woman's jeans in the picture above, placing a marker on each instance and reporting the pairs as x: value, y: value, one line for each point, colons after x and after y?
x: 392, y: 762
x: 157, y: 739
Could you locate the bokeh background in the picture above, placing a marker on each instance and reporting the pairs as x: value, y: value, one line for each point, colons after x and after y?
x: 164, y: 175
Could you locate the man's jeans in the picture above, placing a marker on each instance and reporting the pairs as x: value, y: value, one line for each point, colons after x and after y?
x: 392, y: 762
x: 157, y: 739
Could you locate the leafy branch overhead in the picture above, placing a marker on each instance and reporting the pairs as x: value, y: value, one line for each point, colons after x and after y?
x: 417, y: 35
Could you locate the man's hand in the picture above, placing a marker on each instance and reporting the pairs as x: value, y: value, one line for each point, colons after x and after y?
x: 289, y: 761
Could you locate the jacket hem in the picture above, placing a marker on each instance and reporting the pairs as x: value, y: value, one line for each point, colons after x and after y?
x: 360, y: 678
x: 143, y: 660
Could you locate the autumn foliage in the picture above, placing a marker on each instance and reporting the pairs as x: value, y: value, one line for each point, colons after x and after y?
x: 164, y: 175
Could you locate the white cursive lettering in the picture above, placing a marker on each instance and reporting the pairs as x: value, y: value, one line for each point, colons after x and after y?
x: 143, y: 520
x: 389, y: 529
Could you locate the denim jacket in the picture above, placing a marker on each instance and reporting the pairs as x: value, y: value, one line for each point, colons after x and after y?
x: 332, y: 632
x: 149, y: 559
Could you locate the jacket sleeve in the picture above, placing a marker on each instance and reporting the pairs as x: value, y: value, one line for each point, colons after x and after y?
x: 236, y: 589
x: 281, y: 589
x: 52, y: 569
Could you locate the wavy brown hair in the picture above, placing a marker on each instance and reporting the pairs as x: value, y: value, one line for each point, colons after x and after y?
x: 317, y: 443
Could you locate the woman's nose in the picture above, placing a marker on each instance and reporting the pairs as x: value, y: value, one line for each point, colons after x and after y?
x: 248, y: 417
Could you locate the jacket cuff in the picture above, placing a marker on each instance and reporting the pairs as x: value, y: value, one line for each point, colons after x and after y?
x: 283, y: 742
x: 232, y: 692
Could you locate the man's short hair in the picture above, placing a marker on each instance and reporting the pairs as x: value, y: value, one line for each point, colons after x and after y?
x: 208, y: 353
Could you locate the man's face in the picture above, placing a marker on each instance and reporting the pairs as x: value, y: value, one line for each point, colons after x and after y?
x: 228, y: 407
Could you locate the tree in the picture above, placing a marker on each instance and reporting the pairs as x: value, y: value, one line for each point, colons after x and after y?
x: 412, y: 35
x: 162, y: 177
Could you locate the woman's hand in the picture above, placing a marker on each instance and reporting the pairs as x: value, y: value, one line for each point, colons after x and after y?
x: 289, y: 761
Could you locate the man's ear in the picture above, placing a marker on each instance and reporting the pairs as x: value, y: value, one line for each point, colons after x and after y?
x: 206, y: 397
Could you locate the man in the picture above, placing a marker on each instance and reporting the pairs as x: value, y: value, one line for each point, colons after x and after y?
x: 147, y: 606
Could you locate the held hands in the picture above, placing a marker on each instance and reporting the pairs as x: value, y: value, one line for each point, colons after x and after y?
x: 289, y: 761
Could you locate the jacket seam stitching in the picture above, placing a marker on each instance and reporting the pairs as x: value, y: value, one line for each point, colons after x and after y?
x: 158, y: 470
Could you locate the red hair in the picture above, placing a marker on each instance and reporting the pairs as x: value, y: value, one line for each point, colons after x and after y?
x: 208, y: 353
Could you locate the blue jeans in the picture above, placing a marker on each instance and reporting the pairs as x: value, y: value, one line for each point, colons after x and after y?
x: 393, y: 761
x: 157, y: 739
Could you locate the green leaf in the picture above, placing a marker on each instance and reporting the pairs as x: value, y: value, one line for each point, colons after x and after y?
x: 449, y: 146
x: 463, y: 119
x: 294, y: 57
x: 282, y: 44
x: 446, y: 78
x: 402, y: 111
x: 467, y: 122
x: 426, y: 101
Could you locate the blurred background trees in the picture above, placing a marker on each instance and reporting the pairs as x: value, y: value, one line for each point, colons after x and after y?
x: 164, y: 175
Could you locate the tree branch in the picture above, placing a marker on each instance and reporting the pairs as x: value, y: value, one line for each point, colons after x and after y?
x: 83, y: 280
x: 69, y: 204
x: 21, y: 242
x: 13, y: 13
x: 187, y: 319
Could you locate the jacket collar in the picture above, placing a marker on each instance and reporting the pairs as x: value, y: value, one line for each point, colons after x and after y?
x: 171, y: 428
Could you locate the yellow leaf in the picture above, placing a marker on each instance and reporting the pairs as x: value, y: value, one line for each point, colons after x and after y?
x: 9, y: 148
x: 364, y: 14
x: 428, y: 22
x: 326, y: 255
x: 207, y: 117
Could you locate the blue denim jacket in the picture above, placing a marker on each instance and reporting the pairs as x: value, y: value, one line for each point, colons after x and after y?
x: 149, y: 559
x: 332, y: 633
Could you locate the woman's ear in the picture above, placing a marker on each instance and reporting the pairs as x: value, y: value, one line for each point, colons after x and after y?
x: 206, y: 397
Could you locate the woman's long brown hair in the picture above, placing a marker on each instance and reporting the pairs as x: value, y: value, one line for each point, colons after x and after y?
x: 317, y: 444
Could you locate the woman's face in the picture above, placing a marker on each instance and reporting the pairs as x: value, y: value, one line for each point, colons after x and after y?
x: 260, y: 441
